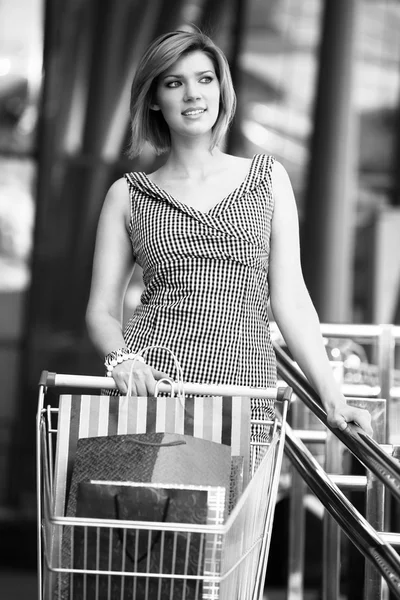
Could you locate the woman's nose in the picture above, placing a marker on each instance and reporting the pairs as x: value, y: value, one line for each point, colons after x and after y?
x: 192, y: 92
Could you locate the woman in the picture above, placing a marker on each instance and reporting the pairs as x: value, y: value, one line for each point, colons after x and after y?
x: 217, y: 237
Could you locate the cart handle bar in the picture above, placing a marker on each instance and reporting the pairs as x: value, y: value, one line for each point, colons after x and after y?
x: 48, y: 379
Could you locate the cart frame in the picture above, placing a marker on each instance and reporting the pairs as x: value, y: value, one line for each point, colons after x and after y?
x: 236, y: 562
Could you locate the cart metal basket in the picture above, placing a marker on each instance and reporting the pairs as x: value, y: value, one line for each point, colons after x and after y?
x: 233, y: 554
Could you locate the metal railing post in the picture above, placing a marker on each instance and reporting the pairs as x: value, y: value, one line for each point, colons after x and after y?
x: 374, y: 586
x: 386, y: 364
x: 296, y: 544
x: 331, y: 530
x: 385, y: 361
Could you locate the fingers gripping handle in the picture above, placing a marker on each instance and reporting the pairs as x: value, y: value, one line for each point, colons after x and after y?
x: 178, y: 384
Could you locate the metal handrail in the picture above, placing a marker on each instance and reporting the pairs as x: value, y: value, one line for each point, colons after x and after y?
x: 360, y: 532
x: 356, y: 330
x: 373, y: 457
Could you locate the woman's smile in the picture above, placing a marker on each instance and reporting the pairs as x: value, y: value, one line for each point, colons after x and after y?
x: 194, y: 112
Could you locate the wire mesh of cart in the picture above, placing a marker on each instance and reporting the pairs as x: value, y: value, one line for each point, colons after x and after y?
x: 232, y: 554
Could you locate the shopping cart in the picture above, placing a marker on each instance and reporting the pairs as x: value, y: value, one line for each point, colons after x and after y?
x: 232, y: 555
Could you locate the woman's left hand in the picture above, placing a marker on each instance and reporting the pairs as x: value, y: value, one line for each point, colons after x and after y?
x: 339, y: 416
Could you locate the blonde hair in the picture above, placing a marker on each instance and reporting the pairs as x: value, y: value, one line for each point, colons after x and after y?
x: 150, y: 126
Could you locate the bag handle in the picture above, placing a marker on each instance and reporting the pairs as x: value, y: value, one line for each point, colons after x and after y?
x: 159, y: 445
x: 180, y: 392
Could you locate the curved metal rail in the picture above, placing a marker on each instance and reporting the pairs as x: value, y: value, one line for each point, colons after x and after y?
x: 360, y: 532
x: 359, y: 443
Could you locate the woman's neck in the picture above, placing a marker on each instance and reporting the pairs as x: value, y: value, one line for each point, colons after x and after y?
x: 192, y: 162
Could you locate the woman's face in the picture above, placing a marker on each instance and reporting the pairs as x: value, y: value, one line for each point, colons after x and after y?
x: 188, y: 95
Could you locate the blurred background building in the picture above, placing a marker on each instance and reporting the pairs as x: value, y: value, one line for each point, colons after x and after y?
x: 318, y: 85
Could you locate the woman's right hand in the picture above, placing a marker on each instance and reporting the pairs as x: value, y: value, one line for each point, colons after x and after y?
x: 143, y: 381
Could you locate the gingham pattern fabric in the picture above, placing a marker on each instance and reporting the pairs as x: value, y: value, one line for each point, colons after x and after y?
x: 206, y: 282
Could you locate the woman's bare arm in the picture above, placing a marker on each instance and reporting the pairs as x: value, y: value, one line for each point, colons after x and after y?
x: 294, y: 311
x: 113, y: 265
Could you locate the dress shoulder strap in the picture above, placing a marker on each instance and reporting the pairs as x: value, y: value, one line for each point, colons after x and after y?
x: 267, y: 164
x: 262, y: 168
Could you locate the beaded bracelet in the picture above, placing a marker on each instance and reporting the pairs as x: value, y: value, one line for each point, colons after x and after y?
x: 118, y: 356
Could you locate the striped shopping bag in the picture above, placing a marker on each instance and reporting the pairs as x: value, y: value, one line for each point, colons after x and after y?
x: 219, y: 419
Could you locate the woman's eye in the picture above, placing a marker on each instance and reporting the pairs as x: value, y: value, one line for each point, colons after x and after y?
x: 173, y: 84
x: 206, y: 79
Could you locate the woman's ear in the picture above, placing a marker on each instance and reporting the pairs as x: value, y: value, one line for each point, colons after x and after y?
x: 154, y: 107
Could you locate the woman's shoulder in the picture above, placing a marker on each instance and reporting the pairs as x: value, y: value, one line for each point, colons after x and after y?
x: 281, y: 183
x: 118, y: 188
x: 279, y: 173
x: 271, y: 170
x: 117, y: 194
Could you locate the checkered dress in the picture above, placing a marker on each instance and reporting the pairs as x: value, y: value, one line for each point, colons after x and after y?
x: 206, y: 282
